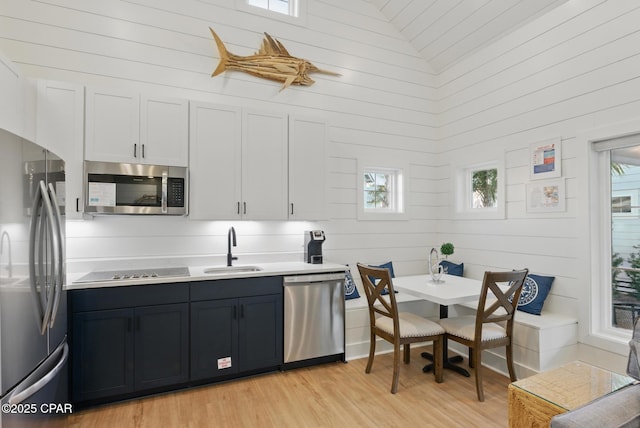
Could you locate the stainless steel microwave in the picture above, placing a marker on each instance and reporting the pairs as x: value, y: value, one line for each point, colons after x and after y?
x: 124, y: 188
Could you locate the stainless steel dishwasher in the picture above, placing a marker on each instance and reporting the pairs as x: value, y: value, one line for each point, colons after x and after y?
x: 313, y: 319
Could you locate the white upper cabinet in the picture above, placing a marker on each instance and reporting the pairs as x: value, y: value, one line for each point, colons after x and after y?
x: 238, y: 163
x: 215, y: 183
x: 12, y: 108
x: 164, y: 131
x: 125, y: 127
x: 59, y: 128
x: 307, y: 169
x: 112, y: 126
x: 264, y: 165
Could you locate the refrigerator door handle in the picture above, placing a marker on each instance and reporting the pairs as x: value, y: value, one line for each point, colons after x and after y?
x: 48, y: 282
x: 37, y: 380
x: 34, y: 227
x: 43, y: 222
x: 58, y: 280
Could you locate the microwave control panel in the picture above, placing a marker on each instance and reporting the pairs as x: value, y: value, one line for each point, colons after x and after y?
x: 175, y: 192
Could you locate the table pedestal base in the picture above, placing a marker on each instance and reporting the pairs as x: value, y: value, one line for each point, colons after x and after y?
x: 447, y: 364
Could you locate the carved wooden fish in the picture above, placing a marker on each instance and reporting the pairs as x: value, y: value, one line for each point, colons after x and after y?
x: 272, y: 62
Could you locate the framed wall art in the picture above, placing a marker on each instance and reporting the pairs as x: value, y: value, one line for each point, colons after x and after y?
x: 546, y: 196
x: 545, y: 159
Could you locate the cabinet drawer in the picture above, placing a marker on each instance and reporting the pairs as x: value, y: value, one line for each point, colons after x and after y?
x: 237, y: 287
x: 96, y: 299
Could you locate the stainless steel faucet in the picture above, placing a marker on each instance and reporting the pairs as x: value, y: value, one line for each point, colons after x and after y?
x: 231, y: 240
x: 10, y: 265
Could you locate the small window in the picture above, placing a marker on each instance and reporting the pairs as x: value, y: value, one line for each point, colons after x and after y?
x: 291, y: 11
x: 286, y: 7
x: 381, y: 193
x: 625, y: 202
x: 380, y: 190
x: 621, y: 204
x: 478, y: 190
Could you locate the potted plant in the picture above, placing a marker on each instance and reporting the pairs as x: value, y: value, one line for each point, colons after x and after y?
x: 446, y: 249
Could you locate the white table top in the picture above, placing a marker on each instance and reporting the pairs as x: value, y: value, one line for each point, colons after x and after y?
x: 454, y: 289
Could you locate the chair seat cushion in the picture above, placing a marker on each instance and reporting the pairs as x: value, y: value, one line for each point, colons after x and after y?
x: 411, y: 325
x: 465, y: 327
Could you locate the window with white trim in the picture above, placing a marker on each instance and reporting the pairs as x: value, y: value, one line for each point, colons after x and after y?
x: 619, y: 175
x: 381, y: 192
x: 292, y: 11
x: 478, y: 190
x: 286, y: 7
x: 381, y: 189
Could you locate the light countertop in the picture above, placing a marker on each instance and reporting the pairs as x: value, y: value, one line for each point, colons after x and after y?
x: 197, y: 273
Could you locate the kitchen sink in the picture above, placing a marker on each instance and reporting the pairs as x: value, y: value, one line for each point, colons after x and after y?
x: 223, y: 270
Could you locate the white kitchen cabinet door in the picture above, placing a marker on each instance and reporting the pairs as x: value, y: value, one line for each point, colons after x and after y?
x: 264, y: 165
x: 307, y: 169
x: 164, y: 131
x: 11, y: 100
x: 112, y: 126
x: 215, y: 161
x: 60, y: 128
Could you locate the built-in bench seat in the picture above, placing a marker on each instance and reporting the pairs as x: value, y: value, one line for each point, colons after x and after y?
x: 541, y: 342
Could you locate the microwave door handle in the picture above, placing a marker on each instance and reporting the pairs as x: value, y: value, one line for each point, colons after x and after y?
x: 165, y: 180
x: 58, y: 279
x: 34, y: 227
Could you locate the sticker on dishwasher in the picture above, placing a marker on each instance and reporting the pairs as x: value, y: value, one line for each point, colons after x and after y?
x: 224, y: 363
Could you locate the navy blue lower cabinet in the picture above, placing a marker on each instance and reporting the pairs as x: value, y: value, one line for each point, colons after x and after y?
x: 127, y: 341
x: 132, y: 341
x: 232, y: 336
x: 236, y: 327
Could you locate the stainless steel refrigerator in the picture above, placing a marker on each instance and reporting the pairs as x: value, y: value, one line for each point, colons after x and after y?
x: 33, y: 319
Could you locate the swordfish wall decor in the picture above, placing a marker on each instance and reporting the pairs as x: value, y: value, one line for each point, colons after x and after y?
x: 272, y: 62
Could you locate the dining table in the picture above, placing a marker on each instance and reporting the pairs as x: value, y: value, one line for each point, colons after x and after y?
x: 448, y: 290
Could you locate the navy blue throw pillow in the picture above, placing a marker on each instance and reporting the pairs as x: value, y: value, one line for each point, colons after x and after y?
x: 534, y: 292
x: 387, y: 265
x: 350, y: 290
x: 453, y: 268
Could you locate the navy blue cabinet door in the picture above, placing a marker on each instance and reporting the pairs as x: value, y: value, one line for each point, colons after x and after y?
x: 261, y: 330
x: 102, y: 354
x: 214, y: 338
x: 161, y: 345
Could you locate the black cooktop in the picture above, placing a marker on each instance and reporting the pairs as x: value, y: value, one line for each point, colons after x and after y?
x: 119, y: 275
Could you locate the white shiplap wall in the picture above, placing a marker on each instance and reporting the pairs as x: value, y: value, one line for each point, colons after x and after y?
x: 383, y: 103
x: 573, y: 69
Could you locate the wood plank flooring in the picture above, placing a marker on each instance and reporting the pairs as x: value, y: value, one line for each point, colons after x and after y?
x: 327, y: 395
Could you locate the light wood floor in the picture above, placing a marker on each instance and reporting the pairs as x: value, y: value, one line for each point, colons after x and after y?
x: 327, y: 395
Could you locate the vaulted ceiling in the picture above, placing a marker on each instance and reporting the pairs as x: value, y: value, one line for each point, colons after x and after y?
x: 446, y: 31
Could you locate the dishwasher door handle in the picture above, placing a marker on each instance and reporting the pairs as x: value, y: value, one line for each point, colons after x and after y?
x: 311, y: 278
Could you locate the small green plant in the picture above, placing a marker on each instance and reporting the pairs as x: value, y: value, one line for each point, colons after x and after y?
x: 446, y: 249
